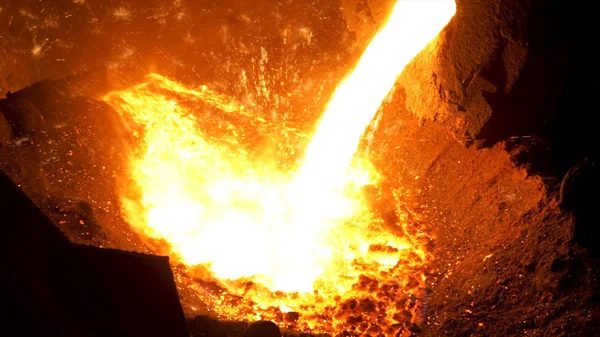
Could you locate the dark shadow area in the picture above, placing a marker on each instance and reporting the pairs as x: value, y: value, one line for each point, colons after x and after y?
x: 51, y: 287
x: 579, y: 195
x: 554, y: 95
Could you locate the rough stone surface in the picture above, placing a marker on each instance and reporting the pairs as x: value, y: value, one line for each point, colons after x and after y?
x: 508, y: 261
x: 263, y: 329
x: 506, y: 69
x: 363, y: 17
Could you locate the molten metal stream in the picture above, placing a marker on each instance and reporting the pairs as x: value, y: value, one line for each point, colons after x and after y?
x: 196, y: 183
x: 410, y: 27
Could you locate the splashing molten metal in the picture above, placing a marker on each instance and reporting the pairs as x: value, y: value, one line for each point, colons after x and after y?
x: 306, y: 237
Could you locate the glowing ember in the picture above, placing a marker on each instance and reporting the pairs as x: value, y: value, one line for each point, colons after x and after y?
x: 306, y: 238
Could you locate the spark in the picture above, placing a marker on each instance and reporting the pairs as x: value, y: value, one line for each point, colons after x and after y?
x: 37, y: 50
x: 27, y: 13
x: 307, y: 34
x: 122, y: 13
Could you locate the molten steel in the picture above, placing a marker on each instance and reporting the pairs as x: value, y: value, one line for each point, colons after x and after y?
x: 305, y: 238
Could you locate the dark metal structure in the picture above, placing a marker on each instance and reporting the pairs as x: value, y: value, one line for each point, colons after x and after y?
x: 52, y: 287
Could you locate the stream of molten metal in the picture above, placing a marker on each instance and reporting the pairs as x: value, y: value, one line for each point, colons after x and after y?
x: 197, y: 183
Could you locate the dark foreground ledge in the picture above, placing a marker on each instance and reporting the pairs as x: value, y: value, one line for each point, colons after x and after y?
x: 51, y: 287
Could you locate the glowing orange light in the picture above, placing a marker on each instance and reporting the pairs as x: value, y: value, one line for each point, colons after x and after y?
x: 216, y: 205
